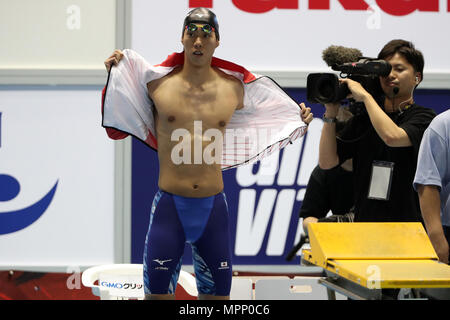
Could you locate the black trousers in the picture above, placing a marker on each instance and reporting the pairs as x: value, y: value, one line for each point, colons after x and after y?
x: 447, y: 236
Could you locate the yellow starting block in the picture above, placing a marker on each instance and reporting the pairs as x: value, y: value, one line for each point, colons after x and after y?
x: 363, y: 258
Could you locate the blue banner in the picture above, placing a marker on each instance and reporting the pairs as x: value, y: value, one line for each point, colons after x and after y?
x: 263, y: 207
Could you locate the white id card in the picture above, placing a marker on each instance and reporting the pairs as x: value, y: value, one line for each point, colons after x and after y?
x: 380, y: 182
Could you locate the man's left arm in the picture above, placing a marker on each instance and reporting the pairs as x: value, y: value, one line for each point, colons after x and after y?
x: 430, y: 206
x: 387, y: 130
x: 431, y: 168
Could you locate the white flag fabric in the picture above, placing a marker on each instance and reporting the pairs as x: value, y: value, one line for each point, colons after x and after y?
x: 269, y: 120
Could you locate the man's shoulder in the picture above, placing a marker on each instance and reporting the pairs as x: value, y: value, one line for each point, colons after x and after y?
x: 228, y: 78
x: 441, y: 125
x: 419, y: 114
x: 416, y: 109
x: 168, y: 79
x: 230, y: 85
x: 443, y: 118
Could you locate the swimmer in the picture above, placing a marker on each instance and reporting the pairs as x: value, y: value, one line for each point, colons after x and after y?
x: 193, y: 93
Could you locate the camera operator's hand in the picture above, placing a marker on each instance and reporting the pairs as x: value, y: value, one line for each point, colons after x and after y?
x: 307, y: 221
x: 358, y: 92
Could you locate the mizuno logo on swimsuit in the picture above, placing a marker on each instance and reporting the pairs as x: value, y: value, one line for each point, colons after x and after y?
x: 161, y: 262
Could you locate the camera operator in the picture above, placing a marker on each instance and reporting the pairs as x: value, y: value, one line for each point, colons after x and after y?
x: 329, y: 190
x: 388, y: 138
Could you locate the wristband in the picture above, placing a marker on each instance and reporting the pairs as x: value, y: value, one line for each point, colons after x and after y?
x: 328, y: 120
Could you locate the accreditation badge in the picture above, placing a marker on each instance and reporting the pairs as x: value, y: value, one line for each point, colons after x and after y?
x: 380, y: 181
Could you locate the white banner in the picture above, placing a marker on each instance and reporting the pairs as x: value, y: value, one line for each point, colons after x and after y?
x: 290, y: 35
x: 56, y: 179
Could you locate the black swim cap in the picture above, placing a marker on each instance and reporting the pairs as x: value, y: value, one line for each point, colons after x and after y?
x: 202, y: 15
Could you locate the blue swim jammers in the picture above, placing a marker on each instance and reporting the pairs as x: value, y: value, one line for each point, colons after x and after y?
x: 203, y: 223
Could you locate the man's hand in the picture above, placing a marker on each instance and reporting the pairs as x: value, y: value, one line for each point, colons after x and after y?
x: 307, y: 221
x: 113, y: 59
x: 441, y: 247
x: 357, y: 90
x: 306, y: 114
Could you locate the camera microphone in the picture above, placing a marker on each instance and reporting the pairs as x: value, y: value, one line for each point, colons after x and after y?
x: 351, y: 61
x: 337, y: 55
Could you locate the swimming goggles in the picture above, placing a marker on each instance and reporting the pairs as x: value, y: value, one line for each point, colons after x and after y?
x: 206, y: 28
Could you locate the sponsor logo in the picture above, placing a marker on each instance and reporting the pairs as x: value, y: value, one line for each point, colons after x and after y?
x: 119, y: 285
x: 16, y: 220
x: 395, y: 8
x: 161, y: 264
x: 224, y: 265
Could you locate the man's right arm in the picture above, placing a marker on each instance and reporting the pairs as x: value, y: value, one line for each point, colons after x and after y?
x: 328, y: 156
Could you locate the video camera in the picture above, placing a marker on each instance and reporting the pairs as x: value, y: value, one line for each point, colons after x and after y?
x: 325, y: 87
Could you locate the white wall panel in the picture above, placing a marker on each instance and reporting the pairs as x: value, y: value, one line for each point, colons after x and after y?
x: 49, y: 137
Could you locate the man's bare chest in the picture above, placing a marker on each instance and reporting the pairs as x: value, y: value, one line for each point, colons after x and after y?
x: 181, y: 108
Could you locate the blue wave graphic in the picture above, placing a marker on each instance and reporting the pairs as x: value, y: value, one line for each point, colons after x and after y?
x: 9, y: 187
x: 19, y: 219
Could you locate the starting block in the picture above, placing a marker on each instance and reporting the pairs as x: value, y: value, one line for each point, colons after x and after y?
x: 361, y: 259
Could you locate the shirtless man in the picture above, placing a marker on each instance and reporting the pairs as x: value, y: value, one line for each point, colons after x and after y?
x: 190, y: 205
x: 195, y: 91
